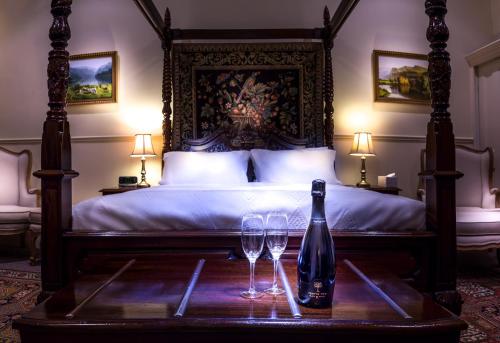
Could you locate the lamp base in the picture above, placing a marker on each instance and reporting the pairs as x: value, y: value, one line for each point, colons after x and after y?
x: 143, y: 184
x: 363, y: 184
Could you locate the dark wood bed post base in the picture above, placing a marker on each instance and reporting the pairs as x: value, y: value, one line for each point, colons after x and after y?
x: 56, y: 172
x: 440, y: 161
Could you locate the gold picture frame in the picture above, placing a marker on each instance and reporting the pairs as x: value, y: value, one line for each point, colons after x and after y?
x: 400, y: 77
x: 92, y: 78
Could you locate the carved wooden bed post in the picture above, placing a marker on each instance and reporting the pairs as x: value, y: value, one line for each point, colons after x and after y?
x: 328, y: 37
x: 56, y: 172
x: 167, y: 84
x: 440, y: 161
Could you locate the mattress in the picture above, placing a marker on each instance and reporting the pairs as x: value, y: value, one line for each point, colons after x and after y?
x: 210, y: 207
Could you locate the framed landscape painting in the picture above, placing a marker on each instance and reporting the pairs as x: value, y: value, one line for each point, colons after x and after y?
x: 92, y: 78
x: 401, y: 77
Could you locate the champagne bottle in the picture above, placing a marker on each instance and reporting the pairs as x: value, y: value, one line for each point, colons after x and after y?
x: 316, y: 260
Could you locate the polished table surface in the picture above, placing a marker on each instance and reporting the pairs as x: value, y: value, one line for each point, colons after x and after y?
x: 143, y: 298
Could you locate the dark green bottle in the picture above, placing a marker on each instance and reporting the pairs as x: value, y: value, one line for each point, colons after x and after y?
x: 316, y: 261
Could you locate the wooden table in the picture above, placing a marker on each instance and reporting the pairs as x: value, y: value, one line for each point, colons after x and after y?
x: 117, y: 190
x: 381, y: 189
x: 141, y: 303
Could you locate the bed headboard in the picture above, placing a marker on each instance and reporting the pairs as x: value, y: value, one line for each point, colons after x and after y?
x: 230, y: 96
x: 227, y: 139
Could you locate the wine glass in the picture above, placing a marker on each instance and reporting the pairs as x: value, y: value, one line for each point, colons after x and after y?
x: 276, y: 239
x: 252, y: 240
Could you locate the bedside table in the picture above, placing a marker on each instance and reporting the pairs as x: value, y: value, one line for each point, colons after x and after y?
x: 384, y: 190
x: 380, y: 189
x: 116, y: 190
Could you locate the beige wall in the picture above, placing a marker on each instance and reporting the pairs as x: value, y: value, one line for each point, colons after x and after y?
x: 97, y: 25
x: 495, y: 17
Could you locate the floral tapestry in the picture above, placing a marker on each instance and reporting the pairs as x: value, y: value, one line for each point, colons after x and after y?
x: 262, y: 99
x: 250, y: 88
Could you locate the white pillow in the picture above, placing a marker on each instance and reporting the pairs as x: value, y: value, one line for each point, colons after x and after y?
x: 294, y: 166
x: 183, y: 167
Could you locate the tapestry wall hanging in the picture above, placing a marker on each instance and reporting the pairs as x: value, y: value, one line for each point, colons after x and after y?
x: 256, y: 88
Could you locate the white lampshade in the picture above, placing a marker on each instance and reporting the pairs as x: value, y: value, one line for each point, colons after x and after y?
x: 362, y: 144
x: 143, y: 146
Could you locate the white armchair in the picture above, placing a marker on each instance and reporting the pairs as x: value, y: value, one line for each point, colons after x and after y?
x: 477, y: 201
x: 17, y: 201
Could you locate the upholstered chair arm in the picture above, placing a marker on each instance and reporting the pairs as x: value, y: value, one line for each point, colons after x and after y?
x: 496, y: 193
x: 421, y: 194
x: 491, y: 198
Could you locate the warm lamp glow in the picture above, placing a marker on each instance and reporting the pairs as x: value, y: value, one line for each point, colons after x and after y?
x: 142, y: 119
x: 355, y: 118
x: 362, y: 144
x: 143, y: 146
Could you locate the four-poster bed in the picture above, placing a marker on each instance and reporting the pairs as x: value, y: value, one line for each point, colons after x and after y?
x: 426, y: 259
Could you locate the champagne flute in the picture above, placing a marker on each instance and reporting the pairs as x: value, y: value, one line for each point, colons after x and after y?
x: 252, y: 240
x: 276, y: 239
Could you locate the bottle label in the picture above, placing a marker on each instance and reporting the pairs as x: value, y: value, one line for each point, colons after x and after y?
x: 317, y: 291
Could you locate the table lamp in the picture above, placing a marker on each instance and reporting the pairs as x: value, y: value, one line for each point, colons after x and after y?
x: 143, y: 148
x: 362, y: 146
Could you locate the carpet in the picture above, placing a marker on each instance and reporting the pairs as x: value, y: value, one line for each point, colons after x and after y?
x: 480, y: 290
x: 18, y: 292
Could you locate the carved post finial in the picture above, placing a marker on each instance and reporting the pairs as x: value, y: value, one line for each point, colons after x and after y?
x: 439, y: 58
x: 326, y: 16
x: 58, y: 68
x: 167, y: 18
x: 328, y: 78
x: 167, y: 82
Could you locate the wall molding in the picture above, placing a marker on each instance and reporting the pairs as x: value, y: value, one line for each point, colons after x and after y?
x: 77, y: 139
x: 404, y: 139
x: 130, y: 138
x: 484, y: 54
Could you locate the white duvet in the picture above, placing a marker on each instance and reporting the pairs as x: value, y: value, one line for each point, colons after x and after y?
x: 211, y: 207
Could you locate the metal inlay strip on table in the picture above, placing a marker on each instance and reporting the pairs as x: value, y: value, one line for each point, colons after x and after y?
x: 189, y: 289
x: 377, y: 290
x: 288, y: 291
x: 71, y: 314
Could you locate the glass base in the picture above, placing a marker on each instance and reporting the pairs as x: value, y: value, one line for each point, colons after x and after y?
x: 251, y: 295
x: 275, y: 291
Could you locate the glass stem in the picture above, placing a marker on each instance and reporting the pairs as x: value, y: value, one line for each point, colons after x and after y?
x: 275, y: 275
x: 252, y: 277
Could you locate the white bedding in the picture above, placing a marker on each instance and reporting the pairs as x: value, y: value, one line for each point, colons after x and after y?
x: 170, y: 207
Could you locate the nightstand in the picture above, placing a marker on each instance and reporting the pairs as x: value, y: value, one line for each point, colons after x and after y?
x: 116, y: 190
x: 380, y: 189
x: 385, y: 190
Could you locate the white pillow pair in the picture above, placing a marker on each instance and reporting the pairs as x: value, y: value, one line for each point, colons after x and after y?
x: 281, y: 166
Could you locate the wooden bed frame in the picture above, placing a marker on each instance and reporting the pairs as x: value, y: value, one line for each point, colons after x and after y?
x: 430, y: 255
